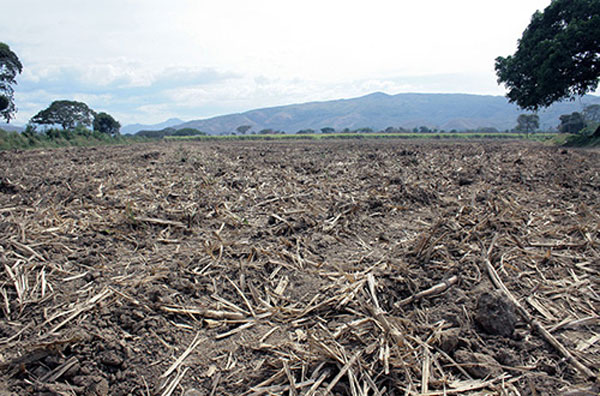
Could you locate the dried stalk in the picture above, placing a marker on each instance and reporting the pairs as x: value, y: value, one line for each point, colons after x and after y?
x: 537, y: 326
x: 434, y: 290
x: 195, y: 342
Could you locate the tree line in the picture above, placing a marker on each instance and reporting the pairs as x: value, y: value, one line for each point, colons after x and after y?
x: 557, y: 58
x: 585, y: 123
x: 68, y: 114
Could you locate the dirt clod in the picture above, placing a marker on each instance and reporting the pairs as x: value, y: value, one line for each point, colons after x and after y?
x: 93, y: 385
x: 495, y: 314
x: 448, y: 340
x: 251, y: 268
x: 110, y: 358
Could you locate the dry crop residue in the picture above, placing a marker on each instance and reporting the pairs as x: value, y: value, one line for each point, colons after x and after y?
x: 354, y: 267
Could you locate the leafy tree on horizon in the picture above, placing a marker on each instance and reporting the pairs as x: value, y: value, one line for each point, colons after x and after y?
x: 267, y: 131
x: 186, y: 132
x: 243, y: 129
x: 558, y: 56
x: 10, y: 66
x: 571, y: 123
x: 591, y: 113
x: 528, y: 123
x: 65, y: 113
x: 105, y: 123
x: 591, y: 116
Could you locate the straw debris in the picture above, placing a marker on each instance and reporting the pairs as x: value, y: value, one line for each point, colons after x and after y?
x: 259, y: 268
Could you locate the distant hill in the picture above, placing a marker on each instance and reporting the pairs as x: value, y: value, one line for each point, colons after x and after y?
x: 379, y: 111
x: 133, y: 128
x: 11, y: 127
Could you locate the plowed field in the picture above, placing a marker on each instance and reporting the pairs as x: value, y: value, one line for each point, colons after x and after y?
x: 300, y: 268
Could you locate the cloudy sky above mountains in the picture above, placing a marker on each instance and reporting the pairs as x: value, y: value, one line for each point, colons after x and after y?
x: 148, y: 60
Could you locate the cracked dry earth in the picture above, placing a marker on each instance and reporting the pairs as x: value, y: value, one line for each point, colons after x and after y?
x: 358, y: 267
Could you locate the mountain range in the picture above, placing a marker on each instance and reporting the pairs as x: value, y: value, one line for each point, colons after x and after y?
x: 379, y: 111
x: 11, y: 128
x: 133, y: 128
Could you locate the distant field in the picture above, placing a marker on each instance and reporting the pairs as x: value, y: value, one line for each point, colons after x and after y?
x: 318, y: 136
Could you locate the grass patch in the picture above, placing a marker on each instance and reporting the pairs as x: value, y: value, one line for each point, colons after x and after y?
x: 53, y: 138
x: 581, y: 141
x: 321, y: 136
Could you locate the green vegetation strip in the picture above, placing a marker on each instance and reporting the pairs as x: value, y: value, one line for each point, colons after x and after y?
x: 61, y: 138
x: 582, y: 141
x: 318, y: 136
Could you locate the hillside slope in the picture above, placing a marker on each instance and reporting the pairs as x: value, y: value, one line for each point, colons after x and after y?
x: 379, y: 110
x: 133, y: 128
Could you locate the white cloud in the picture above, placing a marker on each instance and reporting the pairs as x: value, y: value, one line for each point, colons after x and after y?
x: 144, y: 59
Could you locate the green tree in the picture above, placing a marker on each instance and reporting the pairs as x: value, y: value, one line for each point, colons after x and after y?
x: 571, y: 123
x: 528, y: 123
x: 10, y: 66
x: 327, y: 130
x: 65, y: 113
x: 557, y: 56
x: 243, y: 129
x: 306, y: 131
x: 105, y: 123
x: 591, y: 113
x: 153, y: 134
x: 267, y: 131
x: 187, y: 132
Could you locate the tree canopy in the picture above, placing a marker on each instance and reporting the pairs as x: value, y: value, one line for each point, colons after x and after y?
x: 105, y: 123
x: 571, y: 123
x: 528, y: 123
x: 65, y: 113
x: 591, y: 113
x: 243, y: 128
x: 10, y: 66
x: 558, y: 56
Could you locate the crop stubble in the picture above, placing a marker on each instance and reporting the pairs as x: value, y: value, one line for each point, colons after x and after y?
x: 355, y: 267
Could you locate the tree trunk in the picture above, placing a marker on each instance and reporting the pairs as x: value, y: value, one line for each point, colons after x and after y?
x: 597, y: 132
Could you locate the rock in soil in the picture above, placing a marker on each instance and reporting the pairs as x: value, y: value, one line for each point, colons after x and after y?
x: 94, y: 385
x: 495, y: 314
x: 449, y: 340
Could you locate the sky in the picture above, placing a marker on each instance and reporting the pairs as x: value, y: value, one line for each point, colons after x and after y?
x: 144, y: 61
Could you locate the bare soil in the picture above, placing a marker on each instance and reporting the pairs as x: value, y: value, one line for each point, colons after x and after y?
x: 342, y: 267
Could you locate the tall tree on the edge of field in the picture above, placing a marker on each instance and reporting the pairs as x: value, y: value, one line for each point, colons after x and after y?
x: 528, y: 123
x: 105, y: 123
x: 66, y: 113
x: 558, y: 56
x: 10, y: 66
